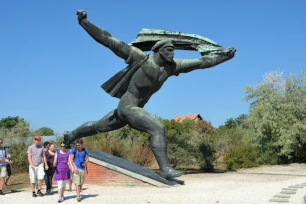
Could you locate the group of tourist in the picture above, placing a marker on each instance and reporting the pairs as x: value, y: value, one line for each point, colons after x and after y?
x: 45, y: 163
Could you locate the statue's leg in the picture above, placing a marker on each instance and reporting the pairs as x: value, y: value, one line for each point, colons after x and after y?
x: 141, y: 120
x: 108, y: 123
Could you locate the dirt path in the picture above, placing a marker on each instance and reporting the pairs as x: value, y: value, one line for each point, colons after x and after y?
x: 251, y: 186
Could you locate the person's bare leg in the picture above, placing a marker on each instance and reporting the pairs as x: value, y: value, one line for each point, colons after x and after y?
x: 2, y: 180
x: 33, y: 187
x: 7, y: 180
x: 40, y: 183
x: 78, y: 190
x: 70, y: 185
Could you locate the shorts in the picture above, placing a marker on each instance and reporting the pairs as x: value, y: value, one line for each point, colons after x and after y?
x: 78, y: 178
x: 2, y: 171
x: 38, y: 172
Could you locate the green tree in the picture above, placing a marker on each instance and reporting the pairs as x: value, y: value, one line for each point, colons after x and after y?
x: 14, y: 127
x: 15, y: 137
x: 10, y: 122
x: 234, y: 122
x: 277, y: 116
x: 178, y: 139
x: 224, y: 138
x: 44, y: 131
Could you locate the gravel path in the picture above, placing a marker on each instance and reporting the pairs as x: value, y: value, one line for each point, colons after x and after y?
x: 251, y: 186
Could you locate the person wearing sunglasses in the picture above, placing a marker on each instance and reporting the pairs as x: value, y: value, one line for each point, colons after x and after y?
x: 78, y: 159
x: 62, y: 171
x: 36, y: 161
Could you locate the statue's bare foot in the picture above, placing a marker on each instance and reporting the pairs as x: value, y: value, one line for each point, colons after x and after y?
x: 169, y: 172
x: 68, y: 138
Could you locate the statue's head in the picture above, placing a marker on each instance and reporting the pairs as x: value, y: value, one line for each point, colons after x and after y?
x: 165, y: 49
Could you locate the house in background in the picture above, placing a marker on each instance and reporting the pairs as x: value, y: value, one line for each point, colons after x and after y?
x: 194, y: 117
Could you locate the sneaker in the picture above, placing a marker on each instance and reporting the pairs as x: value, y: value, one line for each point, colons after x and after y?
x: 79, y: 199
x: 39, y: 193
x: 59, y: 200
x: 1, y: 193
x: 34, y: 194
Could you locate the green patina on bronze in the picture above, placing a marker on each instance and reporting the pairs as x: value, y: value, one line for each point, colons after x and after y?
x: 147, y: 38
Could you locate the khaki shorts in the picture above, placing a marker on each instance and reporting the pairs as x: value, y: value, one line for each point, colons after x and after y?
x: 2, y: 171
x: 37, y: 172
x: 78, y: 178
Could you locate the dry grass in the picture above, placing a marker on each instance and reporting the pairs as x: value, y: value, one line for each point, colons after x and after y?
x: 17, y: 183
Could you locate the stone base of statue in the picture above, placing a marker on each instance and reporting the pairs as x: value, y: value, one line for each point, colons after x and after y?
x: 122, y: 166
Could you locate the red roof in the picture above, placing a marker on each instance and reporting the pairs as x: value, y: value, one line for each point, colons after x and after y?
x: 189, y: 116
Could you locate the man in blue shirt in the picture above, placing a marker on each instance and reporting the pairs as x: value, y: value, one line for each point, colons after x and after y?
x: 78, y: 159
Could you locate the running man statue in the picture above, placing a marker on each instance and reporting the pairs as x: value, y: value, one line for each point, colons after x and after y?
x: 134, y: 86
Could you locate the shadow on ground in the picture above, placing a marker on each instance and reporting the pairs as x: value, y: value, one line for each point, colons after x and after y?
x: 214, y: 171
x: 15, y: 191
x: 84, y: 196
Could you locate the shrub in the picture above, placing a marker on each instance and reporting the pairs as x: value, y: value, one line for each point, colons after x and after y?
x: 19, y: 156
x: 114, y: 146
x: 142, y: 155
x: 206, y: 156
x: 241, y: 156
x: 108, y: 144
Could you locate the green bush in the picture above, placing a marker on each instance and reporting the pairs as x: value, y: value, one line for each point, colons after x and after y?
x: 241, y: 156
x: 206, y: 156
x: 19, y: 156
x: 268, y: 157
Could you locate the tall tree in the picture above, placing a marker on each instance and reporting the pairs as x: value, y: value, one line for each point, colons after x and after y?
x: 9, y: 122
x: 277, y: 115
x: 14, y: 127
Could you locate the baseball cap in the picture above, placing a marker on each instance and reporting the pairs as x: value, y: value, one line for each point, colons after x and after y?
x: 37, y: 137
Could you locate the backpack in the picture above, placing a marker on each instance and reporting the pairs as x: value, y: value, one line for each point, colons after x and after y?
x: 75, y: 151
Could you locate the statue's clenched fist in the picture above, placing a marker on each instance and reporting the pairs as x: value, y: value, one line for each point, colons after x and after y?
x: 231, y: 52
x: 81, y: 15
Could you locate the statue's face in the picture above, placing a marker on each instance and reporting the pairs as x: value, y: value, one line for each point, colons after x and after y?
x: 167, y: 53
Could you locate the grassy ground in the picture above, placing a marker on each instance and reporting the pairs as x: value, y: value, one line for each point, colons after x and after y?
x: 18, y: 182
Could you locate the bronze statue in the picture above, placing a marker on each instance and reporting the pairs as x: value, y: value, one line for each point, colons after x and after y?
x: 134, y: 85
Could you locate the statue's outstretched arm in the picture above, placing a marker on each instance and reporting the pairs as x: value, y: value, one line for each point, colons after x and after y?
x: 121, y: 49
x: 187, y: 65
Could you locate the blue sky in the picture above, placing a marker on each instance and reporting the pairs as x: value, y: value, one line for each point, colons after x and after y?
x: 51, y: 69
